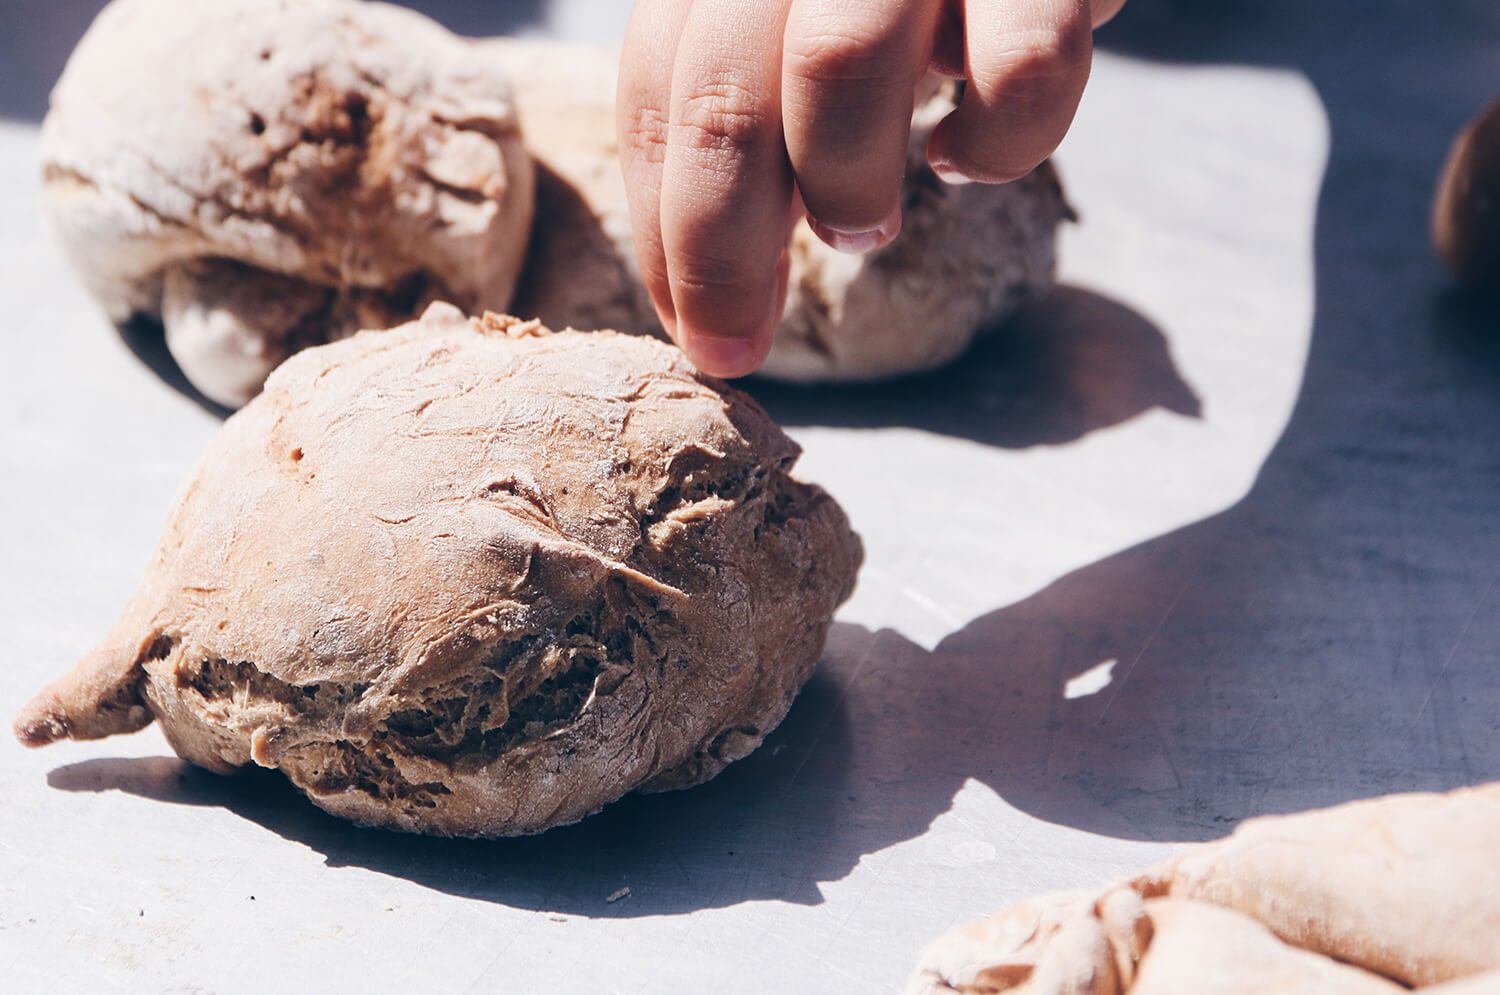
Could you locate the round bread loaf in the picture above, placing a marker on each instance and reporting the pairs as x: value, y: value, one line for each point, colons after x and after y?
x: 476, y: 578
x: 266, y: 176
x: 1466, y: 207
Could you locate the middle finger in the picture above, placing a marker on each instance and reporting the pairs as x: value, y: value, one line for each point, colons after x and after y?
x: 848, y: 77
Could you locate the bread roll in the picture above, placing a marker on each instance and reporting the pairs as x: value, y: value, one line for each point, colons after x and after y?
x: 476, y: 578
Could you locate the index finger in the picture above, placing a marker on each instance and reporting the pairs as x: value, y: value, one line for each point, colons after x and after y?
x: 727, y: 185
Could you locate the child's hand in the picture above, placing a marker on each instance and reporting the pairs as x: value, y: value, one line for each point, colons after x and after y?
x: 733, y: 114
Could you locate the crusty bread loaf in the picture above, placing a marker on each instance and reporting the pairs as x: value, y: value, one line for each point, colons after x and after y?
x: 475, y: 578
x: 267, y: 176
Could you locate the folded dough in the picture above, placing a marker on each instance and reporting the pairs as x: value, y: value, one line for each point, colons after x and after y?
x: 1372, y: 896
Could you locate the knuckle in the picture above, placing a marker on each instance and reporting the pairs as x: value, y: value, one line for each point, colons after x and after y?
x: 841, y: 56
x: 1034, y: 59
x: 719, y: 116
x: 643, y: 133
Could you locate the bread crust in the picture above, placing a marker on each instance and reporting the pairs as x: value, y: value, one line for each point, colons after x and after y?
x: 346, y: 162
x: 473, y: 577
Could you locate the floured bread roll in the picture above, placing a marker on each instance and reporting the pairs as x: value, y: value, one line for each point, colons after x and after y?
x: 967, y: 256
x: 1374, y: 896
x: 476, y: 578
x: 1466, y: 208
x: 266, y: 175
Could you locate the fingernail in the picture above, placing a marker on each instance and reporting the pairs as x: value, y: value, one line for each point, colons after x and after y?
x: 720, y: 356
x: 949, y: 174
x: 859, y: 242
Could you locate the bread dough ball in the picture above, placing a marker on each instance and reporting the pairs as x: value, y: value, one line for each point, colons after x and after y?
x: 1376, y: 896
x: 966, y: 258
x: 1466, y: 210
x: 476, y: 578
x: 203, y: 161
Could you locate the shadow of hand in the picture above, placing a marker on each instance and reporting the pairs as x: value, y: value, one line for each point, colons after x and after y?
x: 1066, y: 365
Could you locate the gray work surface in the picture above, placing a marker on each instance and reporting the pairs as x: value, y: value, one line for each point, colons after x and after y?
x: 1212, y: 534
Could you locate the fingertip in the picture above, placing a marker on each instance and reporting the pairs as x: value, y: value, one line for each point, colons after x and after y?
x: 957, y: 162
x: 940, y: 154
x: 950, y: 174
x: 1028, y: 67
x: 668, y: 321
x: 1104, y: 11
x: 731, y: 356
x: 721, y: 356
x: 724, y: 337
x: 861, y: 241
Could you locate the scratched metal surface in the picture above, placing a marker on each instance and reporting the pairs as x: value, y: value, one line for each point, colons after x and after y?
x: 1211, y: 534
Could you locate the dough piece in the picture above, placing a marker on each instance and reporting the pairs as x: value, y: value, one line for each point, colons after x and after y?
x: 476, y: 578
x: 966, y: 258
x: 1201, y: 948
x: 1371, y: 896
x: 202, y: 161
x: 1118, y: 942
x: 1054, y: 944
x: 1407, y: 886
x: 1487, y: 983
x: 1466, y: 208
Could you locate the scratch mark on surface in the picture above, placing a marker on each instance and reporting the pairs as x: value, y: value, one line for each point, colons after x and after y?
x: 1166, y: 751
x: 1442, y: 674
x: 838, y: 703
x: 1120, y: 685
x: 931, y: 605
